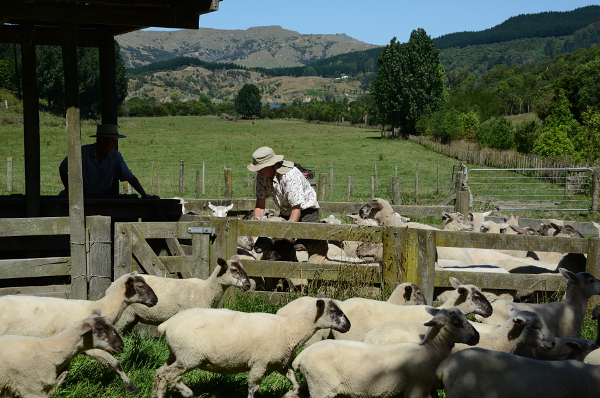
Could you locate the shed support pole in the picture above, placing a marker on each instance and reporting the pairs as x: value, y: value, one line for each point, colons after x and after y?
x: 31, y: 123
x: 108, y: 88
x: 76, y: 210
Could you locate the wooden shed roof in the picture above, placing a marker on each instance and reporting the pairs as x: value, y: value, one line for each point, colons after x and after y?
x: 40, y: 20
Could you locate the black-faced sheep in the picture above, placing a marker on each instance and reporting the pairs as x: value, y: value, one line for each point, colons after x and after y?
x: 206, y: 339
x: 353, y: 369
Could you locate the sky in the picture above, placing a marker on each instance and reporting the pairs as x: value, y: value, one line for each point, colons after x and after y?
x: 379, y: 21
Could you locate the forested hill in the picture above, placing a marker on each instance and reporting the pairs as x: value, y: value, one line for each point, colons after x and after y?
x: 524, y: 26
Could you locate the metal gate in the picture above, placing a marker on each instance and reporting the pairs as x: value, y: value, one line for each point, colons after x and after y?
x: 565, y: 189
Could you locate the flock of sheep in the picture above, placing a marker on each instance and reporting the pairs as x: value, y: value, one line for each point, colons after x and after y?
x: 353, y: 348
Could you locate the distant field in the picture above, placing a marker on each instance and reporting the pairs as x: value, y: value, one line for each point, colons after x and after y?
x: 218, y: 144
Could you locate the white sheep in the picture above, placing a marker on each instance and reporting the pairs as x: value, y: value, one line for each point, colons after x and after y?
x: 355, y: 369
x: 177, y: 295
x: 522, y: 329
x: 565, y: 348
x: 564, y: 318
x: 45, y: 316
x: 493, y: 227
x: 367, y: 314
x: 219, y: 211
x: 481, y: 373
x: 32, y: 367
x: 331, y: 220
x: 511, y: 219
x: 477, y: 218
x: 229, y: 342
x: 381, y: 211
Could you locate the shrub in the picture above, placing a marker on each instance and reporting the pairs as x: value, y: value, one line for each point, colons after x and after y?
x: 496, y: 133
x: 553, y: 142
x: 525, y: 135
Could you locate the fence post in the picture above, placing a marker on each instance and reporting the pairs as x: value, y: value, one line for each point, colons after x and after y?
x: 203, y: 178
x: 158, y: 183
x: 152, y: 178
x: 462, y: 196
x: 393, y: 261
x: 372, y: 187
x: 595, y: 190
x: 330, y: 181
x: 181, y: 178
x: 417, y: 185
x: 420, y: 260
x: 395, y: 198
x: 9, y: 174
x: 321, y: 186
x: 228, y: 184
x: 349, y: 189
x: 100, y: 264
x: 197, y: 184
x: 437, y: 190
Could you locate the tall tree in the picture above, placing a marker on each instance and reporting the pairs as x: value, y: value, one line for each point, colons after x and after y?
x: 420, y: 82
x: 385, y: 88
x: 247, y: 103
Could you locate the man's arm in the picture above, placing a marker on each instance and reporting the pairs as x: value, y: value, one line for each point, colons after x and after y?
x: 64, y: 177
x: 135, y: 183
x: 259, y: 208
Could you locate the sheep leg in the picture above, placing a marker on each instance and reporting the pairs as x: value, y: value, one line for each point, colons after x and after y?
x: 170, y: 374
x: 254, y: 378
x: 111, y: 362
x: 291, y: 376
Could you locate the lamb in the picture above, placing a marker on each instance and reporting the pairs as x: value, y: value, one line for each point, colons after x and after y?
x: 381, y: 211
x: 331, y: 220
x: 34, y: 366
x: 511, y: 219
x: 522, y: 329
x: 367, y: 314
x: 177, y: 295
x: 219, y: 211
x: 206, y: 339
x: 565, y: 348
x: 564, y: 318
x: 46, y: 316
x: 493, y: 227
x: 477, y: 218
x: 356, y: 369
x: 477, y: 372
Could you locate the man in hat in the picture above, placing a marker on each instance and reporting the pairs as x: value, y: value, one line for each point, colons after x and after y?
x: 291, y: 191
x: 101, y: 164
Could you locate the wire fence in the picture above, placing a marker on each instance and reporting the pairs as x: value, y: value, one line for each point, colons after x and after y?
x: 422, y: 184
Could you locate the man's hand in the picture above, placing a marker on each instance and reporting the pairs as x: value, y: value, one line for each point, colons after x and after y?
x: 146, y: 196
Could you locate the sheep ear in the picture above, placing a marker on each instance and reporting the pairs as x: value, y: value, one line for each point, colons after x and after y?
x: 320, y: 308
x: 574, y: 345
x: 519, y: 320
x: 134, y: 273
x: 463, y: 291
x: 96, y: 312
x: 568, y: 274
x: 436, y: 321
x: 432, y: 310
x: 321, y: 294
x: 407, y: 292
x: 221, y: 262
x: 86, y: 327
x: 211, y: 206
x: 235, y: 257
x: 455, y: 282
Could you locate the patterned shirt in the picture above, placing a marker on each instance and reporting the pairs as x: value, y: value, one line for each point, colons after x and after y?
x: 288, y: 190
x: 98, y: 178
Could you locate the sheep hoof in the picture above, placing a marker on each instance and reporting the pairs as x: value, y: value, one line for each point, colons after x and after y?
x: 130, y: 388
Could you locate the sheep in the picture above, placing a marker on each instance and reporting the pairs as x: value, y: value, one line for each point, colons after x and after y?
x: 593, y: 357
x: 522, y: 329
x: 564, y: 318
x: 477, y: 372
x: 219, y: 211
x: 206, y: 339
x: 493, y: 227
x: 564, y: 348
x: 34, y: 366
x: 456, y: 222
x: 596, y: 317
x: 477, y: 218
x: 406, y: 293
x: 362, y: 221
x: 511, y: 219
x: 331, y: 220
x: 45, y: 316
x: 381, y: 211
x: 356, y: 369
x: 177, y: 295
x: 367, y: 314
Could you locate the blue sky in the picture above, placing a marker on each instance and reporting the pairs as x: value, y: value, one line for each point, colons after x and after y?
x: 377, y: 22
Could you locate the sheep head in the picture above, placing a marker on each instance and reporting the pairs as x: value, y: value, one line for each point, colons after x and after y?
x: 233, y: 273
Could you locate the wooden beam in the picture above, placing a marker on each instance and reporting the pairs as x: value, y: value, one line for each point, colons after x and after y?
x: 35, y: 267
x: 76, y: 208
x: 146, y: 256
x: 51, y: 35
x: 31, y: 126
x: 100, y: 261
x: 34, y: 226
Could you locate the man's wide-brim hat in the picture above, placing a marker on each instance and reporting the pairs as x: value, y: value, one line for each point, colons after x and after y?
x: 264, y: 157
x: 108, y: 130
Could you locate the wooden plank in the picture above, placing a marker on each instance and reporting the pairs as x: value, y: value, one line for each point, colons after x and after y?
x: 319, y: 231
x: 489, y: 280
x: 58, y: 291
x: 123, y: 259
x: 34, y: 226
x: 99, y: 264
x: 174, y: 247
x: 145, y: 255
x: 177, y: 263
x: 394, y: 261
x: 35, y: 267
x: 200, y: 264
x: 593, y: 265
x: 284, y: 269
x: 163, y: 230
x: 510, y: 242
x: 421, y: 257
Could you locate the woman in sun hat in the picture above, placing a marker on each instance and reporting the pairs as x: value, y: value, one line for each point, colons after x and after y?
x: 101, y: 163
x: 291, y: 191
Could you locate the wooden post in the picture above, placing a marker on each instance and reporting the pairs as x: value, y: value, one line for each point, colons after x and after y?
x: 321, y: 186
x: 375, y: 174
x: 31, y: 127
x: 395, y: 185
x: 158, y: 184
x: 76, y: 205
x: 197, y: 184
x: 181, y: 178
x: 99, y: 264
x: 123, y: 260
x: 420, y: 260
x: 349, y: 189
x: 152, y: 178
x: 201, y: 253
x: 203, y: 174
x: 417, y: 185
x: 437, y: 189
x: 462, y: 196
x: 330, y: 182
x: 9, y: 174
x: 393, y: 262
x: 372, y: 187
x: 228, y: 184
x: 108, y: 85
x: 595, y: 190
